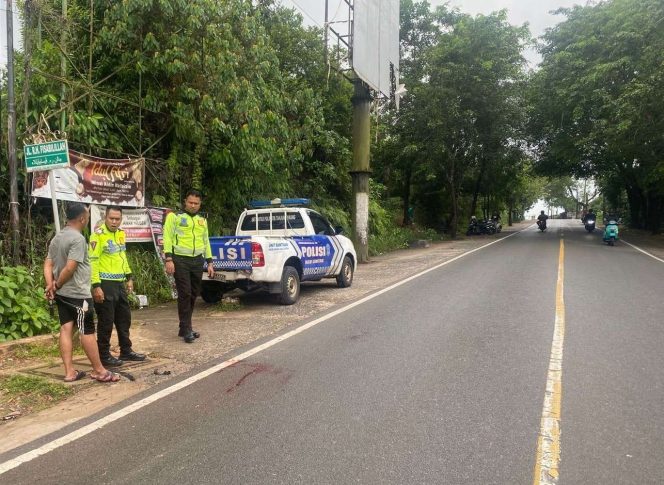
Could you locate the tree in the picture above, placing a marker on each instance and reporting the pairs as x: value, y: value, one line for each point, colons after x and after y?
x: 598, y: 104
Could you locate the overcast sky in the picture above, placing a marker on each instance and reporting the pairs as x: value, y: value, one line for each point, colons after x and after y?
x: 535, y: 12
x: 3, y: 30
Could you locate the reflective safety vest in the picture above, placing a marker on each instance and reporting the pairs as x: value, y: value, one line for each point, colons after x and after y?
x: 108, y: 255
x: 186, y: 235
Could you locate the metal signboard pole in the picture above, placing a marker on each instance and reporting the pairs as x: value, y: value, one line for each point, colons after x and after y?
x: 11, y: 136
x: 54, y: 201
x: 48, y: 156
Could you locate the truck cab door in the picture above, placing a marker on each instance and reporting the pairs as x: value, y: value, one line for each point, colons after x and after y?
x: 321, y: 252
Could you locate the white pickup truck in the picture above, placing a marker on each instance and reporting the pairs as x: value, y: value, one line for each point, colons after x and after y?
x: 277, y: 245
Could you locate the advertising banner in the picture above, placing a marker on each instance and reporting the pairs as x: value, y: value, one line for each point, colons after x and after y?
x: 94, y: 180
x: 135, y: 222
x: 157, y: 218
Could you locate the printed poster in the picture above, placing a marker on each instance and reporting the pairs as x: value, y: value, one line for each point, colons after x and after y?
x: 94, y: 180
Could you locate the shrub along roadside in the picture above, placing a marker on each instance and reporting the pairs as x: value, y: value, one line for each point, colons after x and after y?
x: 23, y: 309
x: 148, y: 273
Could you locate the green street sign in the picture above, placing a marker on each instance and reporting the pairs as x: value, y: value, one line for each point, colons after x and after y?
x: 46, y: 156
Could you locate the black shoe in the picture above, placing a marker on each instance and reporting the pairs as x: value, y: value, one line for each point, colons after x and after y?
x: 189, y: 337
x: 110, y: 361
x: 133, y: 356
x: 182, y: 333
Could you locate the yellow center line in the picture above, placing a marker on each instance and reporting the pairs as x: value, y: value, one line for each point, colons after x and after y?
x: 548, y: 443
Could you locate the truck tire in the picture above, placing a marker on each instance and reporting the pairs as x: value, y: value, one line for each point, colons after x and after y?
x: 211, y: 292
x: 290, y: 286
x: 345, y: 277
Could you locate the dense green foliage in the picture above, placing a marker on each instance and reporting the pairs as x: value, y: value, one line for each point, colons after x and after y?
x: 598, y: 104
x: 236, y: 98
x: 23, y: 310
x: 456, y: 147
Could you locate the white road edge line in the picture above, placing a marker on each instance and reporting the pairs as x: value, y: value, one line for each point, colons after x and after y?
x: 643, y: 251
x: 85, y: 430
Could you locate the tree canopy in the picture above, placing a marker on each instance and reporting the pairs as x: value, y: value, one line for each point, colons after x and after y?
x: 598, y: 104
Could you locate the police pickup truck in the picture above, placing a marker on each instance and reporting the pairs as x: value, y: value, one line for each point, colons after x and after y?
x: 277, y: 245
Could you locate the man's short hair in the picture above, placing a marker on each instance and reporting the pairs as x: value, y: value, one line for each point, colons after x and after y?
x: 74, y: 210
x: 194, y: 192
x: 114, y: 208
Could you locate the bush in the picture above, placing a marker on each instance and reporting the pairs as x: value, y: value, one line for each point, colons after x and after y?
x: 390, y: 239
x: 149, y: 276
x: 23, y: 309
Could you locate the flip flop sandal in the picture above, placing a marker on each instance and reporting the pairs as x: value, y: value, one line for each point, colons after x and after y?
x: 79, y: 375
x: 108, y: 377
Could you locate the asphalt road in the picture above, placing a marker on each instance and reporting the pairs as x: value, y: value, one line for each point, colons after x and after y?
x: 439, y: 380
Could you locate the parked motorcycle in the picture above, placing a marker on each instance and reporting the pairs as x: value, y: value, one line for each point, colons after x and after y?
x: 611, y: 233
x: 480, y: 227
x: 496, y: 223
x: 590, y: 224
x: 541, y: 224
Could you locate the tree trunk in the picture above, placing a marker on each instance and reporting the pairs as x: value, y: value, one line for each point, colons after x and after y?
x: 634, y: 201
x: 476, y: 193
x: 654, y: 211
x: 454, y: 223
x: 406, y: 198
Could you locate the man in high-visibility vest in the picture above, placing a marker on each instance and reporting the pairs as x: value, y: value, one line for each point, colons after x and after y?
x: 186, y: 246
x: 110, y: 273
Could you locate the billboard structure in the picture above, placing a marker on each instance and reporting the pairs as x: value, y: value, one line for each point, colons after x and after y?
x: 375, y: 44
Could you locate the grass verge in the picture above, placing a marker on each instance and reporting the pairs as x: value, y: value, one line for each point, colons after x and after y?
x: 40, y: 351
x: 26, y: 394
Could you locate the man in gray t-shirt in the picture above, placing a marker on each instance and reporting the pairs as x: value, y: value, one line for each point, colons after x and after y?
x: 70, y: 244
x: 68, y: 278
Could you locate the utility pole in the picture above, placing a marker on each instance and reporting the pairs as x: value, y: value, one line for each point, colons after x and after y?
x: 326, y: 29
x: 11, y: 137
x: 63, y: 67
x: 360, y: 170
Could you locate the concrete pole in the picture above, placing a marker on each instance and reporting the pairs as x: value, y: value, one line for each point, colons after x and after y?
x: 11, y: 138
x: 360, y: 170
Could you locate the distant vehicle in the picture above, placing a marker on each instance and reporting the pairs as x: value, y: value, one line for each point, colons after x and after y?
x: 590, y: 223
x: 277, y: 245
x: 541, y: 224
x: 611, y: 232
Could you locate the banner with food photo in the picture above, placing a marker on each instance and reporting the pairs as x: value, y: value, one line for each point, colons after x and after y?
x: 94, y: 180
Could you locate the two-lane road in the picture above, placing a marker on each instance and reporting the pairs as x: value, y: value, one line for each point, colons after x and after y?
x: 439, y: 380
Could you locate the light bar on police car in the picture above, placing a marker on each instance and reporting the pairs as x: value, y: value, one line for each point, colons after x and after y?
x: 261, y: 204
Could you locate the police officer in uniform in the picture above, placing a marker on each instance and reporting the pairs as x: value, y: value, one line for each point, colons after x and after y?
x: 186, y: 245
x: 110, y: 273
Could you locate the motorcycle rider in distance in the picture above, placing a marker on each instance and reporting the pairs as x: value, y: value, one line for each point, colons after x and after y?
x: 589, y: 216
x: 541, y: 220
x: 589, y: 221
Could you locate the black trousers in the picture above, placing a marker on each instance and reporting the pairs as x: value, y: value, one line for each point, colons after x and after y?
x: 114, y: 309
x: 188, y: 281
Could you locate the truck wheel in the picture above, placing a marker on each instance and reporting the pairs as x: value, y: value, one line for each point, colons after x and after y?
x: 211, y: 292
x: 290, y: 286
x: 345, y: 278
